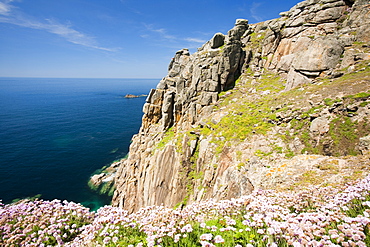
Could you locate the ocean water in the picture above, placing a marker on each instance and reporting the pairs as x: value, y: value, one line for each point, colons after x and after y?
x: 54, y: 133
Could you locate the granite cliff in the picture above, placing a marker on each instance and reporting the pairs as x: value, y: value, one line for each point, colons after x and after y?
x: 267, y: 104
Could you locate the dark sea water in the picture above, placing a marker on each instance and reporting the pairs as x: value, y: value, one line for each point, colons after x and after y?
x: 54, y: 133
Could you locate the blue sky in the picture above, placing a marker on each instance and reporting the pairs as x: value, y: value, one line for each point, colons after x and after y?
x: 114, y: 38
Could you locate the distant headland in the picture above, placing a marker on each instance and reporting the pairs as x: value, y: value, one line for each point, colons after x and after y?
x: 130, y: 96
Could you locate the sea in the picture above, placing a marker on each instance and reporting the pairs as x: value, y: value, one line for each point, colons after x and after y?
x: 55, y: 133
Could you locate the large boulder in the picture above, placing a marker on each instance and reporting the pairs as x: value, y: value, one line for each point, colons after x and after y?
x: 217, y: 40
x: 318, y: 54
x: 241, y: 25
x: 327, y: 15
x: 320, y: 126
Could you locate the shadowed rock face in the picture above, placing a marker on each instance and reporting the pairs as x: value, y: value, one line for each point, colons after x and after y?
x: 313, y: 39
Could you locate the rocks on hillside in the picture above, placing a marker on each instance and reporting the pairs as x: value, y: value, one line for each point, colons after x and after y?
x: 364, y: 145
x: 174, y: 160
x: 314, y: 37
x: 103, y: 182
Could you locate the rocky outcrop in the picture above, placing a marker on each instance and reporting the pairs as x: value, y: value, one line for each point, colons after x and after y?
x: 130, y: 96
x: 103, y: 180
x: 206, y: 130
x: 314, y: 37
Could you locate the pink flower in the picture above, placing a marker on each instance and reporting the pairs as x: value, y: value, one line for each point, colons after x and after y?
x: 177, y: 238
x: 206, y: 236
x: 187, y: 228
x: 270, y: 231
x: 106, y: 240
x: 206, y: 244
x: 297, y: 244
x: 114, y: 239
x: 219, y: 239
x: 361, y: 244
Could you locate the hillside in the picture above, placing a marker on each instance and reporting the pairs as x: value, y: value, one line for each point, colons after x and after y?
x: 277, y: 104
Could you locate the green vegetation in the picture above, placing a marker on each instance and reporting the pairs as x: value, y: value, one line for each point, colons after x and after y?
x: 245, y: 117
x: 240, y: 165
x: 249, y: 116
x: 260, y: 153
x: 168, y: 136
x: 363, y: 104
x: 343, y: 135
x: 308, y: 178
x: 330, y: 102
x: 360, y: 95
x: 239, y: 155
x: 31, y: 198
x: 222, y: 48
x: 289, y: 153
x: 256, y: 39
x: 105, y: 188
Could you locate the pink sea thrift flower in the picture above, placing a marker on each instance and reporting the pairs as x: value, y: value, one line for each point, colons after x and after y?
x: 187, y: 228
x: 206, y: 244
x: 218, y: 239
x: 297, y: 244
x: 206, y: 236
x: 115, y: 239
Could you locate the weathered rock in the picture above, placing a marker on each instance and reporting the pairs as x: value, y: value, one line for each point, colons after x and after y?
x: 359, y: 21
x: 295, y: 79
x: 208, y: 98
x: 364, y: 145
x: 318, y: 55
x: 167, y: 110
x: 238, y: 30
x: 320, y: 126
x: 327, y: 15
x: 285, y: 62
x: 229, y: 68
x: 217, y: 40
x: 97, y: 179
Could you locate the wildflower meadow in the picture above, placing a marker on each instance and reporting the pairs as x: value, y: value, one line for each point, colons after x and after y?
x: 316, y: 216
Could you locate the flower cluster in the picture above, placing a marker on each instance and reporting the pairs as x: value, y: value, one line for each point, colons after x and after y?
x: 41, y: 223
x: 312, y: 217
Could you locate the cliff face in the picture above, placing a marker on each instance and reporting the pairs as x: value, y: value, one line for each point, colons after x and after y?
x: 247, y: 106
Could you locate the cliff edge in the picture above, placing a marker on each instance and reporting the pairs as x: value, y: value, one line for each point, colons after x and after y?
x: 267, y: 104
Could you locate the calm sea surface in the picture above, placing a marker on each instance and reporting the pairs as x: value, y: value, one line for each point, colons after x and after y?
x: 54, y: 133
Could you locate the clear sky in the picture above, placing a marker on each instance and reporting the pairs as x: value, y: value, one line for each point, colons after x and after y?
x: 114, y: 38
